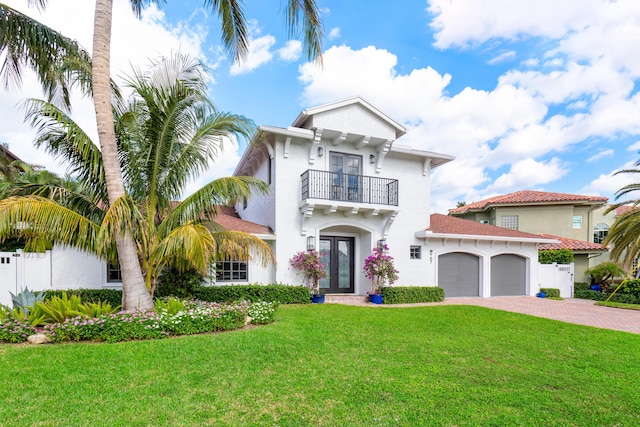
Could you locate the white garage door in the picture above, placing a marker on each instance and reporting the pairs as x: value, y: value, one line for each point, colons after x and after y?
x: 459, y: 274
x: 508, y: 275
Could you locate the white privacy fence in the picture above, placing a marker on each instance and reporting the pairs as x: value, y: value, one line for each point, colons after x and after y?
x: 559, y: 276
x: 62, y: 268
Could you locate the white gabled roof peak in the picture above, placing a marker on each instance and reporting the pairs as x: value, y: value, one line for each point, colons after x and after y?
x: 305, y: 114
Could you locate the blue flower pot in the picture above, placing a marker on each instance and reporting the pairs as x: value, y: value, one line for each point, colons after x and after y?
x: 596, y: 288
x: 541, y: 295
x: 375, y: 298
x: 317, y: 299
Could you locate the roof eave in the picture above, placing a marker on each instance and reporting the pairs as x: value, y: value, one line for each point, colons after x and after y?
x: 425, y: 234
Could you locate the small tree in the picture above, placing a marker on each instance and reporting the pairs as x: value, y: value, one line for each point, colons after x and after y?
x: 604, y: 272
x: 379, y: 268
x: 309, y: 263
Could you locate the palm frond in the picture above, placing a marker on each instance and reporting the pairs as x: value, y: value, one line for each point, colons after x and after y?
x: 35, y: 217
x: 122, y: 217
x: 25, y: 42
x: 189, y: 246
x: 312, y: 26
x: 205, y: 202
x: 234, y: 26
x: 239, y: 246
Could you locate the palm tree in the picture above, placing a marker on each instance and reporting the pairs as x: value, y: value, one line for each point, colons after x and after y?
x: 167, y: 134
x: 624, y: 234
x: 234, y: 37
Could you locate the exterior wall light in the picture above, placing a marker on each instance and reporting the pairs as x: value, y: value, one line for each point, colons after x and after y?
x: 372, y: 159
x: 320, y: 151
x: 381, y: 243
x: 311, y: 243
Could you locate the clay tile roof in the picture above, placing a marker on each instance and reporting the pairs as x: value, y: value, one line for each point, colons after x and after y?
x: 528, y: 197
x: 620, y: 210
x: 572, y: 244
x: 444, y: 224
x: 229, y: 219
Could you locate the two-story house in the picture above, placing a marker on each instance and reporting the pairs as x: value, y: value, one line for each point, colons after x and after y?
x: 341, y: 182
x: 574, y: 220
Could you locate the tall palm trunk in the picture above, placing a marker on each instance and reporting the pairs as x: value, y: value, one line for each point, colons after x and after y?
x: 134, y: 291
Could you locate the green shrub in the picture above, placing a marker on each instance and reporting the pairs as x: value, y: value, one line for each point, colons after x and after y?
x: 624, y: 298
x: 559, y: 256
x: 283, y: 294
x: 631, y: 287
x: 589, y: 294
x: 262, y: 312
x: 551, y: 292
x: 173, y: 283
x: 581, y: 286
x: 169, y: 305
x: 412, y: 294
x: 605, y: 272
x: 111, y: 296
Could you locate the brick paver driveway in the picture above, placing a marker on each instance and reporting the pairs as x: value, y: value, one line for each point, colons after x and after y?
x: 572, y: 310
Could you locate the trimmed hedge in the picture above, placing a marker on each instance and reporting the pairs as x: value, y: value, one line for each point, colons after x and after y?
x: 559, y: 256
x: 551, y: 292
x: 601, y: 296
x: 581, y: 286
x: 112, y: 296
x: 412, y: 294
x: 283, y: 294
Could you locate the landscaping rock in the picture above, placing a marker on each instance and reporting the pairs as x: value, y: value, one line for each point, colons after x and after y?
x: 247, y: 320
x: 38, y: 339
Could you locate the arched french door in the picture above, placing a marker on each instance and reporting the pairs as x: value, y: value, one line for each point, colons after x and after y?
x: 337, y: 253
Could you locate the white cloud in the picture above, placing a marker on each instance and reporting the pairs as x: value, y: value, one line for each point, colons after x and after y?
x: 469, y: 22
x: 334, y: 33
x: 606, y: 184
x: 291, y: 51
x: 259, y: 54
x: 528, y: 173
x: 634, y: 147
x: 600, y: 155
x: 503, y: 57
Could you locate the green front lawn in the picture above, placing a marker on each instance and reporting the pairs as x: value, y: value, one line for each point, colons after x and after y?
x: 337, y: 365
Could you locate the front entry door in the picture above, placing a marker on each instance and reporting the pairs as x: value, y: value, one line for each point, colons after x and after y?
x: 337, y: 255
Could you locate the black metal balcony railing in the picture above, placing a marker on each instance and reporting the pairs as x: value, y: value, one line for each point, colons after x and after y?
x: 349, y: 188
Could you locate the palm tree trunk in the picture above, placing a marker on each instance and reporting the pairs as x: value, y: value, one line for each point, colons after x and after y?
x: 134, y: 291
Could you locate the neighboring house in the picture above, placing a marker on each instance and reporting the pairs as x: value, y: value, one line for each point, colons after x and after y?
x: 574, y: 220
x: 6, y: 155
x: 340, y: 182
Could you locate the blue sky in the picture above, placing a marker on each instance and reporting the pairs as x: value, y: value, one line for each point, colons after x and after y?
x: 527, y: 95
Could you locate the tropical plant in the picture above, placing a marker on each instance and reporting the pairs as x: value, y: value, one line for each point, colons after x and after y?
x: 379, y: 268
x: 44, y: 53
x: 25, y: 299
x: 624, y: 234
x: 310, y: 264
x: 604, y: 272
x: 168, y: 133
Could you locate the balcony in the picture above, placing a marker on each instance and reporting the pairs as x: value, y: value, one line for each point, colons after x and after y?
x: 342, y: 187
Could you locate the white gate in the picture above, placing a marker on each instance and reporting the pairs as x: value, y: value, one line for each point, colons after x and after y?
x: 8, y: 276
x: 558, y: 276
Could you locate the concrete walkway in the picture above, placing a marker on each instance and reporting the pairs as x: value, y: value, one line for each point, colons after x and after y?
x: 572, y: 310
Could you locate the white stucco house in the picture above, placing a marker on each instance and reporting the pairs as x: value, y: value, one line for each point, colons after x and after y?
x: 341, y: 181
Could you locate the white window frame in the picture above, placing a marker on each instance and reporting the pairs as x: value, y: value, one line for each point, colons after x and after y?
x: 511, y: 222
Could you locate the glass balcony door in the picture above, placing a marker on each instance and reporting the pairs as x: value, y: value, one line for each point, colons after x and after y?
x: 347, y: 176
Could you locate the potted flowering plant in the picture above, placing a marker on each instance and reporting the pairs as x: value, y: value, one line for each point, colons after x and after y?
x: 379, y: 268
x: 309, y: 263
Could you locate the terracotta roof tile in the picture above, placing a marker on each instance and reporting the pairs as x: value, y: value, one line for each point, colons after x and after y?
x: 229, y: 219
x: 451, y: 225
x: 572, y: 244
x: 527, y: 197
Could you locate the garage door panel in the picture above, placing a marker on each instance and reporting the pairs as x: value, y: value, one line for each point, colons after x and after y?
x: 508, y: 275
x: 459, y: 274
